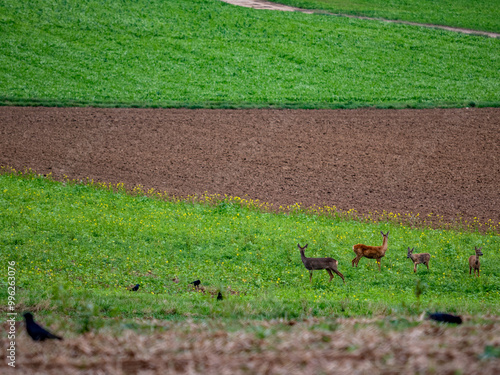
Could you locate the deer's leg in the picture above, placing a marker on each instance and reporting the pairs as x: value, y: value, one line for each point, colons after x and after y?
x: 358, y: 259
x: 311, y: 276
x: 330, y: 273
x: 427, y: 264
x: 415, y: 268
x: 378, y: 262
x: 478, y: 272
x: 354, y: 261
x: 470, y: 271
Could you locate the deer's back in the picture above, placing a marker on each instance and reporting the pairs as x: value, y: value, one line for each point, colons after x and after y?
x: 320, y: 263
x: 424, y: 257
x: 371, y: 252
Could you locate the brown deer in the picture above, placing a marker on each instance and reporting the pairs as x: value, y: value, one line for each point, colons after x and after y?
x: 328, y: 264
x: 418, y: 259
x: 474, y: 261
x: 370, y: 252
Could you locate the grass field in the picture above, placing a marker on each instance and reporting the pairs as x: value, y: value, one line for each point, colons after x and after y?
x: 211, y: 54
x: 478, y: 15
x: 78, y: 246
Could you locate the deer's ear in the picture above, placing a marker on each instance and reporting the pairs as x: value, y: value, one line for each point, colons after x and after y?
x: 305, y: 246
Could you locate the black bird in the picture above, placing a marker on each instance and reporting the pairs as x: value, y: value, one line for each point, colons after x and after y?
x: 219, y: 297
x: 37, y: 332
x: 196, y: 282
x: 135, y: 288
x: 446, y: 318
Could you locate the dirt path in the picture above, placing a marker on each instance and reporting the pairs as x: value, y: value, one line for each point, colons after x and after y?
x: 261, y: 4
x: 269, y: 347
x: 444, y: 161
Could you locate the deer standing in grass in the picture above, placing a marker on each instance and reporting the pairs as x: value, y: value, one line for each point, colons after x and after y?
x: 328, y: 264
x: 418, y: 258
x: 474, y: 261
x: 370, y: 252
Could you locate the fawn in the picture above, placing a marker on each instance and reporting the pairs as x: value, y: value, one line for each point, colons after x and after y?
x: 474, y: 261
x: 328, y: 264
x: 418, y: 258
x: 370, y: 252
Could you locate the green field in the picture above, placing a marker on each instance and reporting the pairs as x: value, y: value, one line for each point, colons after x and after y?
x: 477, y: 15
x: 211, y: 54
x: 77, y: 246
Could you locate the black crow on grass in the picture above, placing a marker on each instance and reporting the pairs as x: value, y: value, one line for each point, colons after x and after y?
x: 135, y: 288
x: 196, y: 282
x: 37, y: 332
x: 446, y: 318
x: 219, y: 297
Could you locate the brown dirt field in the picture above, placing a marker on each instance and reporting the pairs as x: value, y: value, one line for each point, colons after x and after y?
x: 441, y: 161
x: 315, y: 346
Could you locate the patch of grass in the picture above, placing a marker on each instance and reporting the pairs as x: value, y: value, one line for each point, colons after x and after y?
x: 479, y: 15
x: 78, y: 246
x: 211, y: 54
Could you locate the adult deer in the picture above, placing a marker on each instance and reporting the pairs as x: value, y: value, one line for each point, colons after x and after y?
x: 474, y: 261
x: 328, y: 264
x: 370, y: 252
x: 422, y: 258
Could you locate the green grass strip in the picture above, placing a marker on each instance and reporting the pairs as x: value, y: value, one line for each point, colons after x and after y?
x: 478, y: 15
x: 77, y: 245
x: 209, y: 54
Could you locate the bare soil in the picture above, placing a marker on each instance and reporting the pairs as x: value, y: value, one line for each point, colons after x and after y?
x: 440, y: 161
x: 315, y: 346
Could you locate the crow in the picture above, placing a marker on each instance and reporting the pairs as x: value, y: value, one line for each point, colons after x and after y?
x: 446, y: 318
x: 196, y: 282
x: 37, y: 332
x: 134, y: 288
x: 219, y: 297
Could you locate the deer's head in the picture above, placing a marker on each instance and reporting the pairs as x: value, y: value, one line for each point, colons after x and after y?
x: 410, y: 252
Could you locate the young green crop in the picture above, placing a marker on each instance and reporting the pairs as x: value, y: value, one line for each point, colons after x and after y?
x: 80, y: 244
x: 479, y: 15
x: 212, y: 54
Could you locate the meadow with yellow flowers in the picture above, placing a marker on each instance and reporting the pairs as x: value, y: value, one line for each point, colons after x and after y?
x: 78, y: 244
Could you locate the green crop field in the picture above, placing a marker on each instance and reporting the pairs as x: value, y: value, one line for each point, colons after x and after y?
x: 477, y: 15
x: 82, y: 244
x: 205, y: 53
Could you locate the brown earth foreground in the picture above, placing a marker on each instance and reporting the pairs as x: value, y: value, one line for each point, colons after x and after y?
x: 315, y: 346
x: 440, y: 161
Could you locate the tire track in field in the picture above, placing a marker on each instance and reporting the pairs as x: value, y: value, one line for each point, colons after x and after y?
x: 266, y: 5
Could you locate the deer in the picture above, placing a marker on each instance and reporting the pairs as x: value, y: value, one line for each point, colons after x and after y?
x: 328, y: 264
x: 370, y: 252
x: 474, y: 261
x: 418, y: 258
